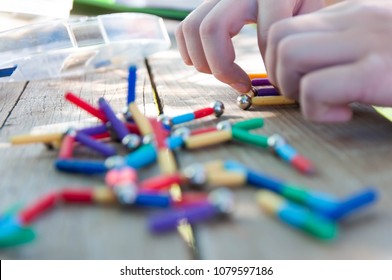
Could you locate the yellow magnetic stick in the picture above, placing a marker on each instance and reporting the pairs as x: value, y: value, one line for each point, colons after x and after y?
x: 166, y: 161
x: 38, y: 138
x: 141, y: 121
x: 208, y: 138
x: 271, y: 100
x: 226, y: 179
x: 215, y: 165
x: 269, y: 201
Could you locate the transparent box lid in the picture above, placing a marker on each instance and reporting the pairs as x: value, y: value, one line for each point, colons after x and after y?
x: 60, y: 48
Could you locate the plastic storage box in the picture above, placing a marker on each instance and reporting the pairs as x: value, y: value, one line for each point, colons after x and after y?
x: 61, y: 48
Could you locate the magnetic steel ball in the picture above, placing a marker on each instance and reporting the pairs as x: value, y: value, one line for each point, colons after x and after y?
x: 132, y: 141
x: 244, y: 101
x: 253, y: 92
x: 127, y: 114
x: 218, y: 107
x: 126, y: 194
x: 223, y: 199
x: 114, y: 162
x: 276, y: 140
x: 223, y: 125
x: 71, y: 132
x: 165, y: 120
x: 148, y: 139
x: 182, y: 132
x: 196, y: 175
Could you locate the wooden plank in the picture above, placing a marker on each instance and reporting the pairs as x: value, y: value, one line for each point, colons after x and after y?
x: 9, y: 95
x: 10, y: 92
x: 347, y: 156
x: 27, y: 172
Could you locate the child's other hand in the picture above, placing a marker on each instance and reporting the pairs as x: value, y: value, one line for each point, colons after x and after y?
x: 333, y: 57
x: 204, y: 37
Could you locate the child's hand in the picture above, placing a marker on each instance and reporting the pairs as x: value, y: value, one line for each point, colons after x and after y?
x: 204, y: 37
x: 335, y: 56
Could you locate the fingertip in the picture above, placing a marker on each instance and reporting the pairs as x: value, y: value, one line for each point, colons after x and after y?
x: 185, y: 58
x: 202, y: 67
x: 241, y: 87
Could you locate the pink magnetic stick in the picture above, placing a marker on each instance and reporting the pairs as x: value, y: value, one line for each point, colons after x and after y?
x: 161, y: 182
x: 159, y: 134
x: 120, y: 176
x: 67, y: 145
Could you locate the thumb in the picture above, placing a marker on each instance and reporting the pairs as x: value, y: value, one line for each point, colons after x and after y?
x: 326, y: 94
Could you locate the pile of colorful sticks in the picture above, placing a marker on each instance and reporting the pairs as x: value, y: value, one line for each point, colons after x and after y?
x: 180, y: 194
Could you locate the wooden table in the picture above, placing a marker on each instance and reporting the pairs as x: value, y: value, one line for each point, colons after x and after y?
x: 347, y: 156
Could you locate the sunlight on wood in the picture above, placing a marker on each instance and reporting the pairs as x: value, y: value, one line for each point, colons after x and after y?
x: 5, y: 145
x: 64, y: 126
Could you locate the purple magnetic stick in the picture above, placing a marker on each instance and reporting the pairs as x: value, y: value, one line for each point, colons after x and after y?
x: 169, y: 220
x: 118, y: 126
x: 261, y: 82
x: 95, y: 145
x: 267, y: 91
x: 94, y: 130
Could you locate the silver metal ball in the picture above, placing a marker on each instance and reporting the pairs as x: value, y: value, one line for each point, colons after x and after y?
x: 148, y: 139
x: 253, y: 92
x: 222, y: 199
x: 71, y: 132
x: 127, y: 114
x: 126, y: 194
x: 115, y: 162
x: 165, y: 120
x: 218, y: 107
x: 224, y: 125
x: 132, y: 141
x: 275, y: 141
x: 195, y: 174
x: 183, y: 132
x: 244, y: 101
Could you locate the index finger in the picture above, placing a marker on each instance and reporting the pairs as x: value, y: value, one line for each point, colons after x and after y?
x: 216, y: 38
